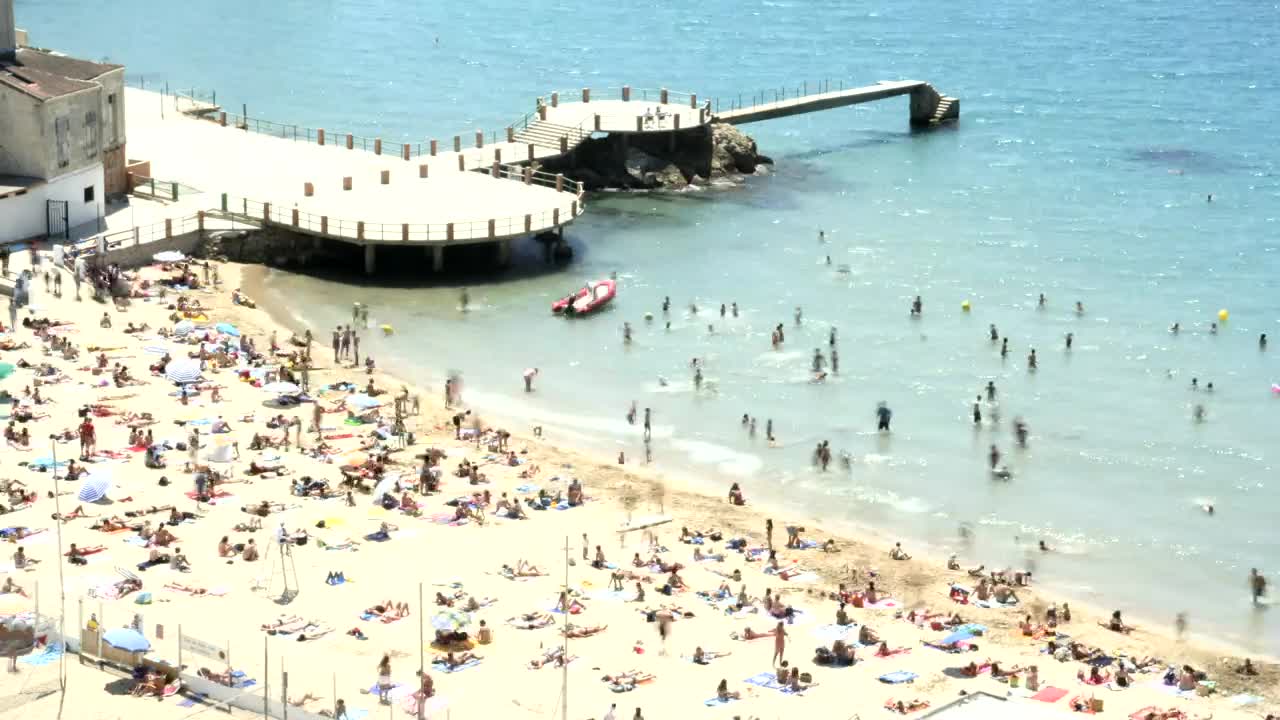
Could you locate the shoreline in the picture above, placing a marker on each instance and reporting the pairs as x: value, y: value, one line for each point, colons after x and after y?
x: 928, y: 559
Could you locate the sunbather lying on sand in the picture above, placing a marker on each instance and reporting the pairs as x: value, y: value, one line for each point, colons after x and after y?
x: 582, y: 632
x: 624, y: 682
x: 284, y: 625
x: 903, y: 707
x: 389, y: 611
x: 749, y: 634
x: 452, y: 660
x: 522, y: 569
x: 552, y: 656
x: 704, y: 657
x: 531, y: 621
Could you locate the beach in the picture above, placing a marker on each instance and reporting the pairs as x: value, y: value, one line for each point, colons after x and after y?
x: 331, y: 636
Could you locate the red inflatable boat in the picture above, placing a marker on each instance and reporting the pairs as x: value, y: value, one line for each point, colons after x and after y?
x: 588, y: 299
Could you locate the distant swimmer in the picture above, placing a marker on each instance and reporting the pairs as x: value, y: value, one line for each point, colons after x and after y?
x: 745, y: 419
x: 1213, y: 328
x: 1004, y: 348
x: 1208, y: 388
x: 775, y: 339
x: 693, y: 308
x: 711, y: 329
x: 831, y: 338
x: 648, y: 317
x: 828, y: 259
x: 1198, y: 413
x: 883, y: 417
x: 799, y: 315
x: 1207, y: 508
x: 993, y: 457
x: 917, y: 306
x: 1079, y: 308
x: 734, y: 309
x: 648, y: 427
x: 995, y: 334
x: 626, y: 333
x: 1070, y: 337
x: 835, y: 361
x: 668, y: 327
x: 1262, y: 341
x: 666, y: 304
x: 1002, y: 473
x: 819, y: 361
x: 1209, y: 198
x: 822, y: 236
x: 1042, y: 301
x: 464, y: 300
x: 723, y: 309
x: 751, y: 429
x: 768, y: 429
x: 1031, y: 360
x: 1020, y: 431
x: 977, y: 410
x: 1174, y: 328
x: 782, y: 336
x: 1195, y: 384
x: 1044, y: 547
x: 991, y: 390
x: 697, y: 379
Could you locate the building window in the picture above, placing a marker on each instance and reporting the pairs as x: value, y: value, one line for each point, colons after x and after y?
x: 62, y: 141
x: 88, y: 194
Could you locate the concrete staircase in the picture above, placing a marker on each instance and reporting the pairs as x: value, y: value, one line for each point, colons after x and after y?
x: 548, y: 134
x: 948, y: 109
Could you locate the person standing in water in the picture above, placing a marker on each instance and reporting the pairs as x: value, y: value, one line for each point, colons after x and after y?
x: 626, y: 333
x: 835, y: 361
x: 831, y: 338
x: 631, y: 413
x: 1070, y: 338
x: 666, y: 304
x: 697, y: 378
x: 1041, y: 302
x: 1020, y: 431
x: 648, y: 428
x: 993, y: 457
x: 883, y: 417
x: 1031, y: 360
x: 1004, y: 348
x: 734, y: 309
x: 751, y: 428
x: 768, y: 429
x: 977, y: 411
x: 917, y: 307
x: 818, y: 360
x: 1262, y: 341
x: 991, y: 391
x: 799, y: 315
x: 1257, y: 586
x: 464, y: 300
x: 822, y: 236
x: 1079, y: 308
x: 995, y: 334
x: 782, y: 336
x: 722, y: 309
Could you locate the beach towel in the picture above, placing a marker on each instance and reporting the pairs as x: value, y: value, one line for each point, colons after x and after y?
x: 715, y: 701
x: 831, y: 633
x: 1159, y: 686
x: 884, y: 604
x: 1050, y: 694
x: 442, y: 667
x: 48, y: 655
x: 898, y: 676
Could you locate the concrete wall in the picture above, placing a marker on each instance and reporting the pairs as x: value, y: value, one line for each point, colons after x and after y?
x: 22, y: 142
x: 112, y: 114
x: 29, y: 145
x: 23, y: 217
x: 8, y: 29
x: 129, y: 255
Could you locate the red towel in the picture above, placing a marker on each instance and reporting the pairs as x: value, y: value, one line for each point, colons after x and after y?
x: 1050, y: 694
x: 343, y: 436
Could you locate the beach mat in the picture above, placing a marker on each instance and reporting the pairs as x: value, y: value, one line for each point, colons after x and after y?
x: 898, y: 676
x: 1050, y: 694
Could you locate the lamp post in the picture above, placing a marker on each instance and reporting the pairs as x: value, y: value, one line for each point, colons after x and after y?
x: 62, y: 584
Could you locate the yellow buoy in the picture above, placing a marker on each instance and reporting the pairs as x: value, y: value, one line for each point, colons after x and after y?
x: 1223, y: 315
x: 965, y: 306
x: 388, y: 330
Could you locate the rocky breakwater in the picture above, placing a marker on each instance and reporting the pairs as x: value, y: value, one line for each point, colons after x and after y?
x: 713, y: 154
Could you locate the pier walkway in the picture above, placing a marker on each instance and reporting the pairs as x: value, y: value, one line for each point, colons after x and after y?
x: 480, y: 188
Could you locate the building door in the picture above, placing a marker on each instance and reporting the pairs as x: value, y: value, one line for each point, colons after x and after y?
x: 58, y: 212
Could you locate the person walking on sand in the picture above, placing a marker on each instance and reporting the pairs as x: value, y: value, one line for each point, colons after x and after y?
x: 337, y: 342
x: 346, y: 341
x: 384, y: 680
x: 779, y: 642
x: 355, y: 347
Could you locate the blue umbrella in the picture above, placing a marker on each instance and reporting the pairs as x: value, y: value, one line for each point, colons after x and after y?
x: 6, y: 369
x: 94, y: 487
x: 126, y: 639
x: 228, y: 329
x: 183, y: 370
x: 956, y: 637
x: 450, y: 620
x: 362, y: 400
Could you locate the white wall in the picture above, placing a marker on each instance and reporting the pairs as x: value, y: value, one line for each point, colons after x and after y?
x: 24, y: 216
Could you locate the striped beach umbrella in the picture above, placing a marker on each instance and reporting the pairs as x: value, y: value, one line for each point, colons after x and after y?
x: 183, y: 327
x: 183, y: 370
x: 94, y: 487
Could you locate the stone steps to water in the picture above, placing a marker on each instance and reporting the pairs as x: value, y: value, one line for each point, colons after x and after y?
x: 941, y: 113
x: 548, y: 135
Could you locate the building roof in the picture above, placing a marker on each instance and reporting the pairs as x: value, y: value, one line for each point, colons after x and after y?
x: 45, y: 76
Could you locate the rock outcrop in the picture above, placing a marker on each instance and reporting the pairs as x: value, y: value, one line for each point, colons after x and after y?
x: 671, y: 161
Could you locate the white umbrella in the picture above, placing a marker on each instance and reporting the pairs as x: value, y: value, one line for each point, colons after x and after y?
x: 183, y: 370
x: 362, y: 400
x: 169, y: 256
x: 183, y: 327
x: 282, y: 388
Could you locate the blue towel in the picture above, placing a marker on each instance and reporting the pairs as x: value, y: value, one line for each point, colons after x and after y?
x: 446, y: 669
x: 713, y: 702
x: 898, y: 676
x: 46, y: 656
x: 527, y: 488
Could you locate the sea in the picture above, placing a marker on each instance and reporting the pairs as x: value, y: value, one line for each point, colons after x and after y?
x: 1115, y: 154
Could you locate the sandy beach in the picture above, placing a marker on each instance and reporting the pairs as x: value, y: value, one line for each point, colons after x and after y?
x: 424, y: 564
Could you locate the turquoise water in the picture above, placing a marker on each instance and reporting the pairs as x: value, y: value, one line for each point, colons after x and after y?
x: 1090, y: 139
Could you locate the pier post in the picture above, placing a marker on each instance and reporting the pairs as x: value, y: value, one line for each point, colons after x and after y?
x: 351, y: 142
x: 497, y: 155
x: 693, y: 100
x: 404, y: 232
x: 360, y: 236
x: 222, y: 118
x: 530, y: 151
x: 386, y: 177
x: 370, y: 258
x: 479, y: 138
x: 495, y: 169
x: 422, y: 170
x: 528, y: 222
x: 437, y: 255
x: 564, y: 144
x: 555, y: 216
x: 639, y: 123
x: 346, y: 183
x: 377, y: 146
x: 493, y: 228
x: 511, y: 134
x: 542, y: 112
x: 434, y: 147
x: 200, y: 220
x: 266, y: 212
x: 675, y: 119
x: 308, y: 189
x: 573, y: 209
x: 462, y: 162
x: 404, y: 152
x: 324, y: 224
x: 504, y: 252
x: 224, y: 202
x: 586, y: 95
x: 168, y: 227
x: 448, y: 232
x: 555, y: 101
x: 295, y: 217
x: 559, y: 182
x: 626, y: 93
x: 528, y: 176
x: 320, y: 136
x: 457, y: 143
x: 597, y: 121
x: 662, y: 96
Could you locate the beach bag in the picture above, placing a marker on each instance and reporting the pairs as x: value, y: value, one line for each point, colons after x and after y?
x: 1095, y: 705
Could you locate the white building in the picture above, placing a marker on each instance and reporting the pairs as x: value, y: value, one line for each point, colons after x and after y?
x: 62, y: 138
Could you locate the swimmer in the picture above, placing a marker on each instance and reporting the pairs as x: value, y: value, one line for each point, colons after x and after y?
x: 626, y: 333
x: 697, y: 379
x: 1031, y: 360
x: 768, y: 429
x: 1042, y: 301
x: 1262, y: 341
x: 1208, y: 388
x: 693, y: 308
x: 977, y: 411
x: 1044, y: 547
x: 831, y: 338
x: 835, y: 361
x: 993, y: 457
x: 828, y: 259
x: 917, y: 306
x: 799, y: 315
x: 1195, y: 384
x: 666, y: 304
x: 991, y: 390
x: 822, y: 236
x: 995, y: 334
x: 1079, y: 308
x: 733, y: 308
x: 1070, y: 338
x: 1174, y: 328
x: 1213, y: 328
x: 1207, y: 508
x: 711, y: 329
x: 1198, y: 413
x: 722, y: 309
x: 1004, y: 348
x: 1020, y: 431
x: 818, y: 360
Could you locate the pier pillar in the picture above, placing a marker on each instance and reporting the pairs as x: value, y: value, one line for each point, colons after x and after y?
x: 422, y: 170
x: 528, y: 222
x: 531, y: 151
x: 437, y: 256
x: 497, y: 155
x: 320, y: 136
x: 597, y: 121
x: 434, y: 147
x: 496, y: 169
x: 360, y: 236
x: 586, y: 95
x: 370, y: 259
x: 564, y: 143
x: 457, y: 143
x: 377, y: 146
x: 626, y: 93
x: 266, y: 212
x: 573, y: 209
x: 346, y: 183
x: 479, y: 138
x: 295, y: 217
x: 675, y: 119
x: 528, y: 176
x: 308, y: 189
x: 324, y: 224
x: 702, y: 116
x: 448, y: 232
x: 511, y: 134
x: 559, y: 182
x: 542, y: 112
x: 555, y: 100
x: 693, y: 100
x: 462, y: 162
x: 493, y: 228
x: 404, y: 151
x: 504, y: 252
x: 386, y: 177
x: 404, y: 232
x: 222, y: 118
x: 671, y: 137
x: 639, y: 123
x: 168, y: 227
x: 662, y: 96
x: 351, y: 142
x: 555, y: 216
x: 200, y: 220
